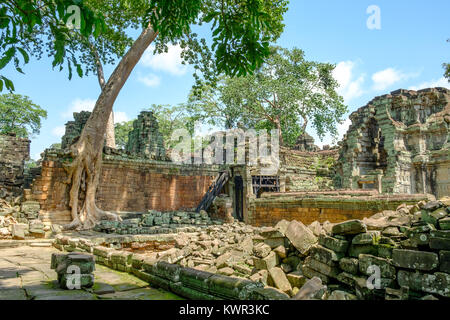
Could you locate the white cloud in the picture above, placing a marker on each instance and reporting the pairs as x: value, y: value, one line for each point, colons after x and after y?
x: 79, y: 105
x: 386, y: 78
x: 349, y: 86
x: 120, y: 116
x: 442, y: 82
x: 59, y: 131
x: 167, y: 61
x: 151, y: 80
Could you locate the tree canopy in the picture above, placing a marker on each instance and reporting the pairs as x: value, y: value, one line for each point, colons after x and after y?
x: 286, y: 93
x: 20, y: 115
x: 26, y: 26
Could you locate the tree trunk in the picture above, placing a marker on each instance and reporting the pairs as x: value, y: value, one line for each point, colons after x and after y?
x: 280, y: 133
x: 85, y: 169
x: 110, y: 136
x: 110, y: 139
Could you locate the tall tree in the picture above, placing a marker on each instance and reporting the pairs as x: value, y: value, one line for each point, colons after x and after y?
x: 20, y: 115
x: 286, y: 93
x: 241, y: 33
x: 119, y: 16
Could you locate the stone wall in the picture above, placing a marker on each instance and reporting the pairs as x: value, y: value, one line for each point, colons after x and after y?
x: 145, y: 139
x: 332, y: 206
x: 135, y: 185
x: 399, y: 143
x: 14, y: 151
x: 74, y: 128
x: 307, y: 171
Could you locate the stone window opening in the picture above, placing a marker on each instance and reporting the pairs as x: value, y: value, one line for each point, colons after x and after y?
x: 265, y: 184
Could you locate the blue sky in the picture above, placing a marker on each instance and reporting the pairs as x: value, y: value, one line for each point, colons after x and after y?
x: 407, y: 52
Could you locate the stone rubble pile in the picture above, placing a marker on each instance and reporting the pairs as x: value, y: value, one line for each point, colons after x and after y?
x: 393, y: 255
x: 154, y: 222
x: 21, y: 221
x: 410, y: 248
x: 74, y: 269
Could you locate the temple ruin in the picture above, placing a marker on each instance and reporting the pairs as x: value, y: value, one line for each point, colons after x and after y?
x: 310, y: 230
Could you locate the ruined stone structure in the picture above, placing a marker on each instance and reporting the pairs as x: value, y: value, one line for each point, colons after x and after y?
x: 145, y: 140
x: 135, y: 185
x: 306, y: 143
x: 399, y: 143
x: 74, y: 128
x: 14, y: 151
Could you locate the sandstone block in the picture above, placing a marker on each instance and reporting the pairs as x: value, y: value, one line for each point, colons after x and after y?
x: 300, y: 236
x: 411, y: 259
x: 337, y: 245
x: 367, y: 261
x: 349, y: 227
x: 280, y: 280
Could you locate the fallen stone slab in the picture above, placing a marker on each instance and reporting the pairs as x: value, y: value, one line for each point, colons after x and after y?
x: 418, y: 260
x: 312, y: 289
x: 444, y: 261
x: 296, y: 279
x: 325, y: 255
x: 366, y: 263
x: 437, y: 283
x: 300, y: 236
x: 349, y: 227
x: 350, y: 265
x: 439, y: 243
x: 280, y: 280
x: 337, y: 245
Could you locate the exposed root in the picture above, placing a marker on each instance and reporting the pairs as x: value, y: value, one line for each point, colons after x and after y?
x: 83, y: 174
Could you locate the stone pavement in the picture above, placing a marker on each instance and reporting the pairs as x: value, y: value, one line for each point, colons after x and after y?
x: 25, y: 274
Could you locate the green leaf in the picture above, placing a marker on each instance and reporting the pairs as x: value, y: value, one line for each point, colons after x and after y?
x: 7, y: 57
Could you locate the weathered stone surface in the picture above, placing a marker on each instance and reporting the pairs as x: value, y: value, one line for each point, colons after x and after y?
x: 312, y: 289
x: 366, y: 263
x: 280, y: 280
x: 349, y: 227
x: 280, y: 251
x: 282, y: 226
x: 419, y: 260
x: 437, y: 283
x: 323, y: 268
x: 262, y: 250
x: 444, y: 224
x: 267, y: 263
x: 439, y: 243
x: 337, y: 245
x: 444, y: 261
x: 368, y: 237
x: 300, y: 236
x: 350, y: 265
x: 355, y: 250
x: 341, y: 296
x: 325, y: 255
x: 296, y: 279
x: 311, y: 273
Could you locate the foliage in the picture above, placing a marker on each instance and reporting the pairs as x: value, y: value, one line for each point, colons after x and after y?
x: 20, y: 115
x: 447, y: 68
x: 24, y: 22
x: 241, y: 33
x: 121, y: 131
x: 55, y: 146
x: 286, y: 93
x: 171, y: 118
